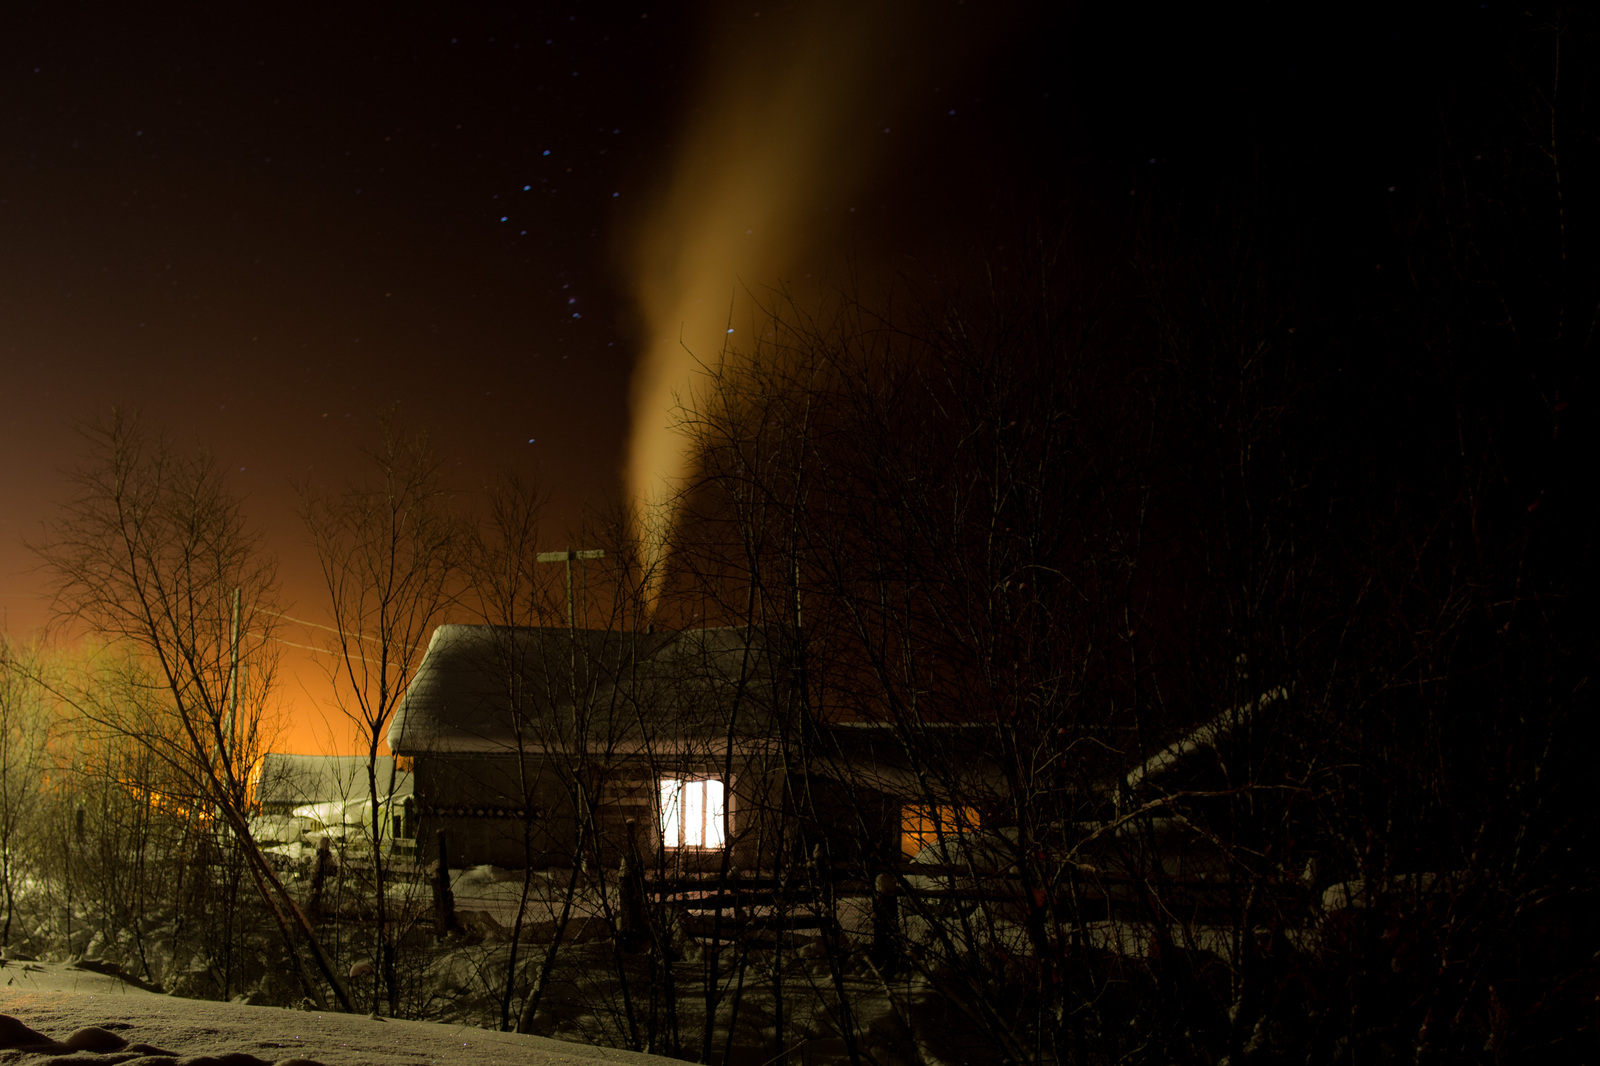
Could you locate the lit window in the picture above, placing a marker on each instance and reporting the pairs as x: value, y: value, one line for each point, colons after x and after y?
x: 694, y: 813
x: 922, y: 826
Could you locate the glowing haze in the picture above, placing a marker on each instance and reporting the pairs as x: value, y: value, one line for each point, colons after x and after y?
x: 790, y: 120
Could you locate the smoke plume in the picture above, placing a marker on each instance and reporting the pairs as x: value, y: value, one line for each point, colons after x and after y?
x: 789, y: 122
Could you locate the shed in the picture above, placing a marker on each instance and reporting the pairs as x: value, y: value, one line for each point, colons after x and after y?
x: 330, y: 791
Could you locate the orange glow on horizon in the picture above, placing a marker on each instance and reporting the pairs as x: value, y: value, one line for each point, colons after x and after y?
x: 307, y: 716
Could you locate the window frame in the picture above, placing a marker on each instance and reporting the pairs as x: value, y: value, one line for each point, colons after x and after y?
x: 923, y: 825
x: 677, y: 790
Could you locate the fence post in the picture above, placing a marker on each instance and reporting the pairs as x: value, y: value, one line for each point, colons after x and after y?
x: 634, y: 932
x: 444, y: 904
x: 885, y: 923
x: 319, y: 878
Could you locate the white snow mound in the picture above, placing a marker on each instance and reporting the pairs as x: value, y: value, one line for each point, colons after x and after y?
x: 48, y: 1010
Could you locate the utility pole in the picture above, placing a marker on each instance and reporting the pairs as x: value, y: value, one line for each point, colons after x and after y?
x: 231, y: 698
x: 567, y: 557
x: 572, y: 623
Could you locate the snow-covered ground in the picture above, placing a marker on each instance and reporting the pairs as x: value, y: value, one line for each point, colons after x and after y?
x: 51, y: 1010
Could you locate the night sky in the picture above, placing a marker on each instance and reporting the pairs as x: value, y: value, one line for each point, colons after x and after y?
x: 260, y: 227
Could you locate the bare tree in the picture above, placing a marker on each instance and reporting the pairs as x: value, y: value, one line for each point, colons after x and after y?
x: 944, y: 511
x: 26, y: 730
x: 513, y: 589
x: 153, y: 556
x: 387, y: 543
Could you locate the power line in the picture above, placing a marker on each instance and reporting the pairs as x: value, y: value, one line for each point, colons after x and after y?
x: 330, y: 629
x: 319, y: 651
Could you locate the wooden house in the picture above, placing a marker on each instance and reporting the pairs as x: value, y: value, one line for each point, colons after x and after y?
x: 540, y: 746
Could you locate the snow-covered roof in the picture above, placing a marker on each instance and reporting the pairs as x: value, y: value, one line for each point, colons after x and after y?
x: 1204, y: 737
x: 955, y: 760
x: 294, y: 780
x: 501, y: 688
